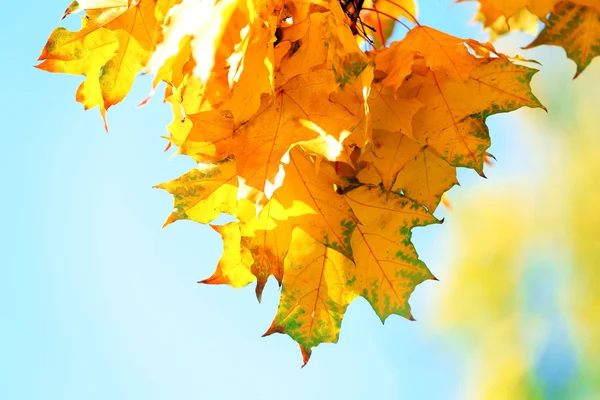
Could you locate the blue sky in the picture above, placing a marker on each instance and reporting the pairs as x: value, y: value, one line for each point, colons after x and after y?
x: 98, y: 302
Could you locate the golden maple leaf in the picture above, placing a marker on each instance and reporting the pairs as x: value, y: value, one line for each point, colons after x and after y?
x: 452, y: 120
x: 388, y: 268
x: 202, y: 194
x: 317, y: 289
x: 110, y: 70
x: 234, y: 267
x: 573, y: 24
x: 576, y: 28
x: 309, y: 201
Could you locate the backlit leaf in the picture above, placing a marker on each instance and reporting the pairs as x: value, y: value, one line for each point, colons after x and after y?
x: 576, y: 29
x: 317, y: 288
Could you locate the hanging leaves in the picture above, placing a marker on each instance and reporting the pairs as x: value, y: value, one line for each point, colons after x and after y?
x: 326, y: 155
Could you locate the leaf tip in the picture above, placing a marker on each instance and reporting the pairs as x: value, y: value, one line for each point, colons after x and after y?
x: 273, y: 329
x: 259, y: 289
x: 215, y: 279
x: 147, y: 99
x: 305, y: 355
x: 170, y: 219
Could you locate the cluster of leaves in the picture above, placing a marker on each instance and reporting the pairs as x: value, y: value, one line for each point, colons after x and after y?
x: 326, y: 155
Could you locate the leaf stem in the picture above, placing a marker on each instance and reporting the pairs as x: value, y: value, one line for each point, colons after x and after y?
x: 405, y: 10
x: 379, y: 26
x: 387, y: 15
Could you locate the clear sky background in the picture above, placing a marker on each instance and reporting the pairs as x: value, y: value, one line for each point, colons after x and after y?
x: 98, y: 302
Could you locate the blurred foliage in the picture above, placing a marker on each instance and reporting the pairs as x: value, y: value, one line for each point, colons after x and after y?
x: 523, y: 297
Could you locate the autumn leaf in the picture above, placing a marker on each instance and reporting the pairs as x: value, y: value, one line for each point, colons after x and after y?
x: 440, y: 51
x: 234, y: 267
x: 495, y: 8
x: 267, y: 137
x: 206, y: 136
x: 253, y: 77
x: 110, y: 70
x: 452, y: 121
x: 317, y: 288
x: 522, y: 20
x: 425, y: 179
x: 573, y: 25
x: 575, y: 28
x: 268, y: 241
x: 392, y: 113
x: 204, y: 193
x: 388, y: 268
x: 81, y: 53
x: 306, y: 51
x: 203, y: 22
x: 309, y: 201
x: 389, y: 152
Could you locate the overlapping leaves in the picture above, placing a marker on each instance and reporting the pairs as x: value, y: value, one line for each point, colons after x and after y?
x: 326, y: 155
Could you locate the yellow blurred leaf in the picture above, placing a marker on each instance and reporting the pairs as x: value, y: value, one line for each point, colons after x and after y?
x: 573, y: 25
x: 576, y: 29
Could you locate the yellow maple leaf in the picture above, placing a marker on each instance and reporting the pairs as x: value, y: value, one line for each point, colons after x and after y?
x: 309, y: 201
x: 317, y: 288
x: 391, y: 113
x: 206, y: 136
x: 452, y: 121
x: 522, y: 20
x: 389, y: 152
x: 268, y: 240
x: 492, y: 9
x: 203, y: 22
x: 254, y: 75
x: 234, y: 266
x: 204, y: 193
x: 80, y: 5
x: 425, y: 179
x: 307, y: 51
x: 440, y: 51
x: 573, y: 25
x: 576, y: 29
x: 387, y: 265
x: 264, y: 140
x: 82, y: 53
x: 135, y: 30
